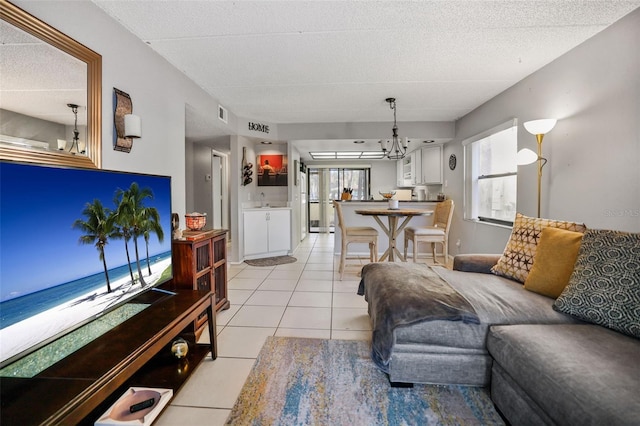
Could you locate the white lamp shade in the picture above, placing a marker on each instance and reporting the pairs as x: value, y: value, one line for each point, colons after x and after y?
x: 62, y: 144
x: 132, y: 126
x: 385, y: 144
x: 540, y: 127
x: 526, y: 156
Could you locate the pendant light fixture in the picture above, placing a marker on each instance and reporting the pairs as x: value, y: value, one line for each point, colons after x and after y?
x: 398, y: 149
x: 76, y: 133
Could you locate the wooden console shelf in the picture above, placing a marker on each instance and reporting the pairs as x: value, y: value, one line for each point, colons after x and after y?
x: 199, y: 262
x: 78, y: 389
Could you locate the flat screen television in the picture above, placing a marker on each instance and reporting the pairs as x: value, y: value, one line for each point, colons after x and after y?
x: 75, y: 244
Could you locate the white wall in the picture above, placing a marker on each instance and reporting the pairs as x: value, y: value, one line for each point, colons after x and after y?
x: 594, y: 151
x: 383, y: 176
x: 294, y: 195
x: 159, y: 91
x: 200, y: 167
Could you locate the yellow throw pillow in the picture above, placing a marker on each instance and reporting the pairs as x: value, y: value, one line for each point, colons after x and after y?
x: 517, y: 259
x: 554, y: 260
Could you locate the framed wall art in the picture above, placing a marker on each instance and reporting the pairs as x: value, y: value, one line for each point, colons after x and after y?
x: 272, y: 170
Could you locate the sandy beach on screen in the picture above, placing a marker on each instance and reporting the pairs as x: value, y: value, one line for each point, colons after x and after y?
x: 24, y: 334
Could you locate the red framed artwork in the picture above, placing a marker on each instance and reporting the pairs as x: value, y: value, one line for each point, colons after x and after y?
x: 272, y: 170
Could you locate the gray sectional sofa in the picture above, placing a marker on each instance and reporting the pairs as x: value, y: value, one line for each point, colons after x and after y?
x: 454, y: 352
x: 547, y: 360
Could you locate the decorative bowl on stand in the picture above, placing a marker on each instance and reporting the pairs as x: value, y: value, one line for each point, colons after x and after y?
x: 387, y: 195
x: 195, y: 221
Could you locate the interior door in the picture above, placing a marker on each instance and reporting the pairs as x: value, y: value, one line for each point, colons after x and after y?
x: 304, y: 207
x: 216, y: 171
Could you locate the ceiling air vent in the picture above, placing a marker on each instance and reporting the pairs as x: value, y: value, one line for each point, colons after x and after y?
x: 222, y: 113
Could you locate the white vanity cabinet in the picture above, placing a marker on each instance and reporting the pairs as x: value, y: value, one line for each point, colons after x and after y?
x: 432, y: 165
x: 267, y: 232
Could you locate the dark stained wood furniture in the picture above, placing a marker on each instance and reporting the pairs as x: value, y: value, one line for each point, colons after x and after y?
x: 199, y: 262
x: 82, y: 386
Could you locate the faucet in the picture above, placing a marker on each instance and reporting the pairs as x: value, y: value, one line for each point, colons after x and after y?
x: 262, y: 199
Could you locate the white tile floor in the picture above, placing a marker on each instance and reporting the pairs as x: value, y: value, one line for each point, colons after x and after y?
x: 302, y: 299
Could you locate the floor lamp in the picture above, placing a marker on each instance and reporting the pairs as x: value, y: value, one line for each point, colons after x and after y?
x: 539, y: 128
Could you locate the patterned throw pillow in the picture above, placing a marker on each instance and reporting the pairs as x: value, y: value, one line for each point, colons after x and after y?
x: 604, y: 288
x: 515, y: 263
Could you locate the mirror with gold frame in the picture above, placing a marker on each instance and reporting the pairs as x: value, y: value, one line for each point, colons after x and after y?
x: 27, y: 101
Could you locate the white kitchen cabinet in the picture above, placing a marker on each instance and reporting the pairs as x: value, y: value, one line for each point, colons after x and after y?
x: 400, y: 172
x: 408, y: 169
x: 267, y: 232
x: 432, y: 165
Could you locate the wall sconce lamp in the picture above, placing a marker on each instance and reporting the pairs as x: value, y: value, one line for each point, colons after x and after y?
x: 127, y: 126
x: 539, y: 128
x: 132, y: 126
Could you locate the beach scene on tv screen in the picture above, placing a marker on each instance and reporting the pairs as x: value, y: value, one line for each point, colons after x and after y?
x: 74, y: 244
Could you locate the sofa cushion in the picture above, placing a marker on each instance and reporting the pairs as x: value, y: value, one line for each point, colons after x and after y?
x: 517, y: 259
x: 496, y: 300
x: 604, y: 287
x: 553, y: 263
x: 577, y: 374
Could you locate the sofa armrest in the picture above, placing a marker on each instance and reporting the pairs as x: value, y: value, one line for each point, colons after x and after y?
x: 475, y: 262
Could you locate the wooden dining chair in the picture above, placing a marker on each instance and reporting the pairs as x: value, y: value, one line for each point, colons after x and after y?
x: 438, y: 233
x: 355, y: 234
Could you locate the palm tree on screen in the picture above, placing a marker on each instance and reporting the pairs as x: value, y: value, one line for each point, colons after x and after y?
x: 98, y: 226
x: 151, y: 224
x: 131, y: 206
x: 124, y: 221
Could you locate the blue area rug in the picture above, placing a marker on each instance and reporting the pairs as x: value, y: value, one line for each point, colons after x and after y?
x: 299, y: 381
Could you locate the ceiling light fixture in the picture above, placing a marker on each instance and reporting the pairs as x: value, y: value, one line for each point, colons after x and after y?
x: 398, y: 149
x: 76, y: 133
x: 346, y: 155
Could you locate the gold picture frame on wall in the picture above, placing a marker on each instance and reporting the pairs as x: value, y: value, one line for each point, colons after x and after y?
x: 40, y: 30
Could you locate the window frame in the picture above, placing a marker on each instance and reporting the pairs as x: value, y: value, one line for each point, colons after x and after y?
x: 470, y: 192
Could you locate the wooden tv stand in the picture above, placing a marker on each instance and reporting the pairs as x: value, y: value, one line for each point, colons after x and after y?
x: 82, y: 386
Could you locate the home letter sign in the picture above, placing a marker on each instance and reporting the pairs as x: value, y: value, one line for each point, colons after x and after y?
x: 256, y: 127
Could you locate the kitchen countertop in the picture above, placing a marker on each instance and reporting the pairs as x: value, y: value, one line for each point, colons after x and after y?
x: 267, y: 208
x: 386, y: 201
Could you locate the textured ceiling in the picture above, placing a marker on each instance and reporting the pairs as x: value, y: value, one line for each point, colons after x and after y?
x: 39, y: 80
x: 322, y: 61
x: 336, y: 61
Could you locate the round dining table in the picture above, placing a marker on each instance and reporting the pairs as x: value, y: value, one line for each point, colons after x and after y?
x: 392, y: 230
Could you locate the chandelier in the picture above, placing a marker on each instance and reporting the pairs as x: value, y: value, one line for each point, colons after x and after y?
x: 398, y: 148
x: 76, y: 133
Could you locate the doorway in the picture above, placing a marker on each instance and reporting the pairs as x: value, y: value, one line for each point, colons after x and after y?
x: 326, y: 185
x: 219, y: 190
